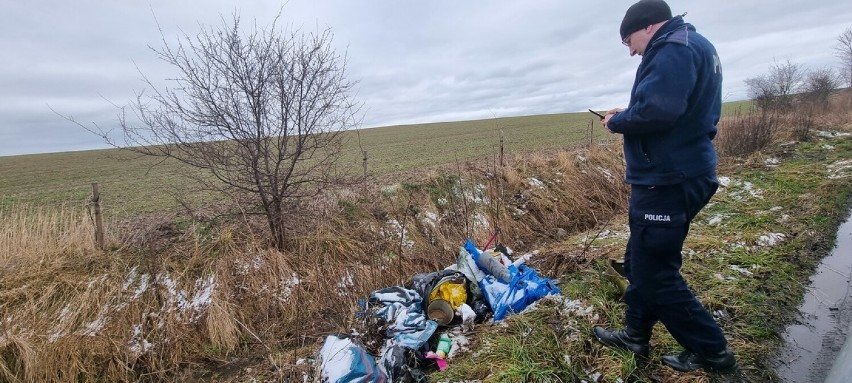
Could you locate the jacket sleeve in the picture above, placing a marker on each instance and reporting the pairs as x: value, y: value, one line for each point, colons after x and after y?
x: 662, y: 94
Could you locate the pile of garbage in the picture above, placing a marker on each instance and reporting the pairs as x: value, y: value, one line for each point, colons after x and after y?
x: 482, y: 284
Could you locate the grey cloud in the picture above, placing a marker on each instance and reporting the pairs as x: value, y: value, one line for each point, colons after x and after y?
x: 416, y: 62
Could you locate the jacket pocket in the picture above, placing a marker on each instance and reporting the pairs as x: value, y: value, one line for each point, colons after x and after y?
x: 660, y: 231
x: 643, y: 150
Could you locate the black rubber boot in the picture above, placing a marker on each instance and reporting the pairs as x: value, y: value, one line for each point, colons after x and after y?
x: 723, y: 362
x: 625, y: 339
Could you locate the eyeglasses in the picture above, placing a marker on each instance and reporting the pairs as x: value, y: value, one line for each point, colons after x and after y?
x: 626, y: 40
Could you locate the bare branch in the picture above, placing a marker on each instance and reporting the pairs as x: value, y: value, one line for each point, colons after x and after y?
x: 259, y: 110
x: 843, y: 51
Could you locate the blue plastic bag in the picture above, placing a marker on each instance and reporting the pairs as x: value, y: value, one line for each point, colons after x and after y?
x: 524, y: 288
x: 345, y: 361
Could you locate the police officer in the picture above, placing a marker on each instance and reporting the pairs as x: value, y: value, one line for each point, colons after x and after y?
x: 668, y: 129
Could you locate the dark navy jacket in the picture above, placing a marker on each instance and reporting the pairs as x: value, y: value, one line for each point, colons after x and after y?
x: 674, y: 107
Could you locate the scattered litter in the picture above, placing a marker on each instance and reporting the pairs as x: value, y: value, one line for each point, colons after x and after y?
x: 720, y: 314
x: 402, y: 311
x: 453, y: 299
x: 342, y: 360
x: 524, y: 287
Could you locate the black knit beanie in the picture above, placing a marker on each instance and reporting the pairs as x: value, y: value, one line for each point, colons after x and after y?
x: 643, y: 14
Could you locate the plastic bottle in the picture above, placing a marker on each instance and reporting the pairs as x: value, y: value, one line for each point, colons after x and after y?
x: 443, y: 348
x: 490, y: 263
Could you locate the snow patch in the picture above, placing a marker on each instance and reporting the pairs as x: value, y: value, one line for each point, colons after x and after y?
x: 740, y: 189
x: 535, y: 182
x: 741, y: 270
x: 430, y: 218
x: 770, y: 239
x: 344, y: 284
x: 831, y: 134
x: 724, y: 278
x: 717, y: 219
x: 138, y: 345
x: 575, y: 307
x: 254, y: 264
x: 286, y: 286
x: 188, y: 304
x: 840, y: 169
x: 772, y: 162
x: 478, y: 195
x: 480, y: 221
x: 396, y: 229
x: 607, y: 174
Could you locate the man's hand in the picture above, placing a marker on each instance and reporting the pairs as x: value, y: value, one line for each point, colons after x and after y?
x: 609, y: 115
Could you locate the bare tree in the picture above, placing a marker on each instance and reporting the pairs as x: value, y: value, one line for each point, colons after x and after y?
x: 818, y: 85
x: 843, y: 51
x: 761, y: 90
x: 262, y: 112
x: 775, y: 90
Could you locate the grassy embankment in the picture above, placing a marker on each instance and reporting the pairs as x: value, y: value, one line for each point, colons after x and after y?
x: 205, y: 301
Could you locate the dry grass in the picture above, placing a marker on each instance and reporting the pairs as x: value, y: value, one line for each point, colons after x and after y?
x: 742, y: 133
x: 171, y: 296
x: 168, y: 294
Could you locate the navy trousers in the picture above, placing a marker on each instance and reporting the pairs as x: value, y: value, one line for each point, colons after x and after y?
x: 659, y: 222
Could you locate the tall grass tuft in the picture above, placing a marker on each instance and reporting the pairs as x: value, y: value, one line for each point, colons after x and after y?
x: 31, y: 234
x: 741, y: 134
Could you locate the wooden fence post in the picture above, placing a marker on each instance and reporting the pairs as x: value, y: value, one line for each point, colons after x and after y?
x: 591, y: 135
x: 501, y: 149
x: 364, y: 153
x: 99, y: 224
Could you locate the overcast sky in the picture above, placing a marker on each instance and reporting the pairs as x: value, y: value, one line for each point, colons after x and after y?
x: 417, y: 61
